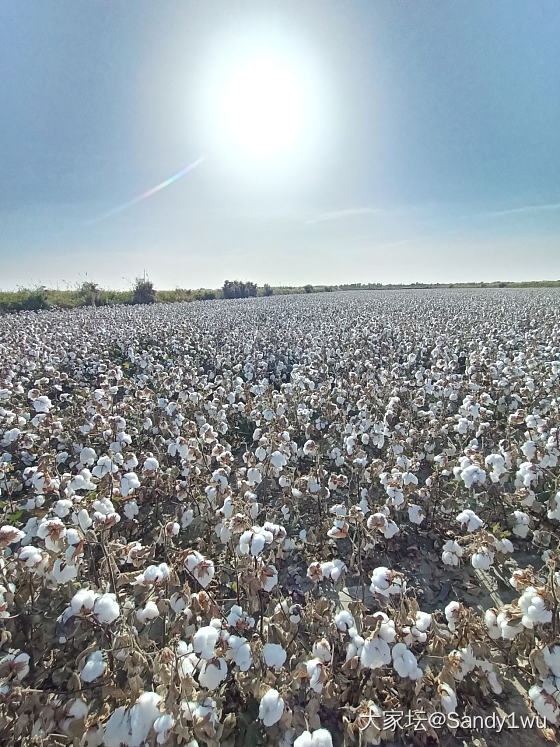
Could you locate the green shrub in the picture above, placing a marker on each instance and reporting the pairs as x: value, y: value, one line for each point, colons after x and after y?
x: 143, y: 291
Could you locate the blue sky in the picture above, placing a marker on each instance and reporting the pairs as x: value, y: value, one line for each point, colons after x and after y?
x: 436, y: 155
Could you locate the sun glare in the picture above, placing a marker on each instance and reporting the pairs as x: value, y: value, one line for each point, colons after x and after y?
x: 264, y: 107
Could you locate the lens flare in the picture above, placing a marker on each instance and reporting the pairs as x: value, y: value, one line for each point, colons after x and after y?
x: 149, y: 192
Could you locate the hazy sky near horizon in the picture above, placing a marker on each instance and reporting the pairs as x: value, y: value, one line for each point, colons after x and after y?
x: 427, y: 148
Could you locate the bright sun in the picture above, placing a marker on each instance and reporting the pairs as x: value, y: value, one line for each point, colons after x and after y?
x: 261, y: 108
x: 264, y: 107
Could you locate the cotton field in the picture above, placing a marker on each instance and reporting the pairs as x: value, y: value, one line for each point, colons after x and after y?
x: 282, y: 521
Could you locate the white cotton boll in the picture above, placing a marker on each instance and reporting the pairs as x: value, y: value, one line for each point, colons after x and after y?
x: 470, y: 519
x: 94, y: 667
x: 270, y: 578
x: 151, y: 464
x: 187, y: 517
x: 390, y: 530
x: 315, y: 673
x: 344, y: 620
x: 83, y: 600
x: 386, y: 582
x: 129, y: 482
x: 416, y: 513
x: 9, y: 535
x: 482, y: 560
x: 544, y: 702
x: 404, y: 662
x: 552, y: 659
x: 278, y: 460
x: 162, y: 726
x: 491, y: 620
x: 42, y: 404
x: 529, y: 449
x: 212, y: 673
x: 322, y: 650
x: 62, y: 507
x: 521, y: 525
x: 62, y: 572
x: 148, y: 613
x: 472, y: 474
x: 504, y: 545
x: 387, y: 628
x: 318, y: 738
x: 271, y: 707
x: 131, y: 727
x: 451, y: 553
x: 106, y: 608
x: 274, y: 655
x: 452, y: 614
x: 30, y: 556
x: 375, y: 653
x: 254, y: 476
x: 205, y: 640
x: 448, y: 697
x: 534, y: 608
x: 507, y: 631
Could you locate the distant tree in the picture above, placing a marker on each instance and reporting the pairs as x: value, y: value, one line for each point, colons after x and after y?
x: 89, y: 294
x: 143, y: 291
x: 34, y: 300
x: 328, y: 289
x: 308, y: 288
x: 238, y: 289
x: 267, y: 290
x: 206, y: 296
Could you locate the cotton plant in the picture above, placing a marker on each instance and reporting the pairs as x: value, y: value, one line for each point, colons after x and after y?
x: 203, y: 505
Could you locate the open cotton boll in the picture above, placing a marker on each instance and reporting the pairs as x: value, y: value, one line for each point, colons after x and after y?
x: 504, y: 621
x: 162, y: 726
x: 129, y: 482
x: 131, y: 726
x: 203, y: 570
x: 405, y: 662
x: 552, y: 659
x: 205, y: 640
x: 83, y: 601
x: 9, y: 535
x: 483, y: 559
x: 544, y: 701
x: 106, y: 608
x: 151, y: 464
x: 94, y: 667
x: 239, y: 652
x: 521, y: 524
x: 344, y: 620
x: 271, y: 707
x: 252, y: 541
x: 534, y: 608
x: 375, y: 653
x: 451, y: 553
x: 212, y: 673
x: 453, y: 612
x: 316, y: 674
x: 322, y: 650
x: 416, y: 513
x: 491, y: 620
x: 386, y: 582
x: 274, y: 655
x: 333, y: 569
x: 470, y: 519
x: 318, y: 738
x: 149, y: 612
x: 448, y: 697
